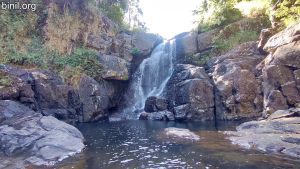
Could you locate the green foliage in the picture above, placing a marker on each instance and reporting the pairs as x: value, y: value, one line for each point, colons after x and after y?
x: 15, y: 30
x: 287, y: 12
x: 84, y: 59
x: 222, y: 45
x: 215, y: 13
x: 115, y: 13
x: 135, y: 52
x: 37, y: 55
x: 5, y: 80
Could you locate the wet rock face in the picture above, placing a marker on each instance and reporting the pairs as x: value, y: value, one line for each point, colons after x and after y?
x: 280, y: 73
x: 36, y: 139
x: 95, y: 98
x: 238, y: 90
x: 154, y: 104
x: 190, y: 93
x: 277, y: 134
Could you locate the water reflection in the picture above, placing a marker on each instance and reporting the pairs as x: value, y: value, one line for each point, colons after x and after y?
x: 135, y: 144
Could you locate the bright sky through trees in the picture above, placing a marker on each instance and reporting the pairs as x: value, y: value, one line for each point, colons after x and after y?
x: 168, y: 17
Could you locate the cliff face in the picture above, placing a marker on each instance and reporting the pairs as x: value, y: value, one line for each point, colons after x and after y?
x: 241, y: 84
x: 85, y: 62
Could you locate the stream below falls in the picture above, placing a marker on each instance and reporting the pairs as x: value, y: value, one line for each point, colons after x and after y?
x: 137, y: 144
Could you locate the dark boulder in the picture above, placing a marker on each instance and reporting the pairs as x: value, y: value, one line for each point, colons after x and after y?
x: 95, y: 98
x: 154, y: 104
x: 190, y: 93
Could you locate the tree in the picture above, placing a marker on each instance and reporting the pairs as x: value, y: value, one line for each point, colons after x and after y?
x: 285, y: 12
x: 214, y: 13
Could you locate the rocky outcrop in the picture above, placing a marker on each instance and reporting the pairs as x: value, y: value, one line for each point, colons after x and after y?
x: 280, y: 71
x: 277, y: 134
x: 95, y: 98
x: 238, y: 91
x: 154, y: 104
x: 191, y: 45
x: 186, y: 45
x: 114, y: 68
x: 190, y: 93
x: 282, y: 38
x: 144, y: 43
x: 35, y: 139
x: 44, y: 91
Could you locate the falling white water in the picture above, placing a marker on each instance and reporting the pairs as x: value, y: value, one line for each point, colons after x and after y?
x: 150, y: 78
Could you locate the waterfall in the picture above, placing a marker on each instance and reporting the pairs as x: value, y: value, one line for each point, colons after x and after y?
x: 150, y: 78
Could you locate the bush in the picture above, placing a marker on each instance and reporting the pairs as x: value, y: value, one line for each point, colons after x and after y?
x: 37, y: 55
x: 5, y: 80
x: 16, y: 29
x: 288, y: 12
x: 135, y: 52
x: 222, y: 45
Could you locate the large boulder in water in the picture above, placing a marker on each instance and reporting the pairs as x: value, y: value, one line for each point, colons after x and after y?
x: 35, y: 139
x: 190, y: 93
x: 154, y: 104
x: 158, y: 116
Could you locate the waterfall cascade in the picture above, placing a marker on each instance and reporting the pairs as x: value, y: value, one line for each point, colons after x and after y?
x: 150, y: 78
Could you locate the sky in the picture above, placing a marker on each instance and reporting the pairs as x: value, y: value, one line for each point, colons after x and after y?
x: 169, y: 17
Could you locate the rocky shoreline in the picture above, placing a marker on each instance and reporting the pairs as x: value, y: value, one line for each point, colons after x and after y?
x: 279, y: 134
x: 249, y: 82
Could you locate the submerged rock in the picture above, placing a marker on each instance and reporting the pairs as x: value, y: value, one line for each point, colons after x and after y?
x: 36, y: 139
x: 179, y: 135
x: 280, y: 133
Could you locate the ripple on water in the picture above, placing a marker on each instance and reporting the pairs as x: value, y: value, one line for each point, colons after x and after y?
x: 134, y: 144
